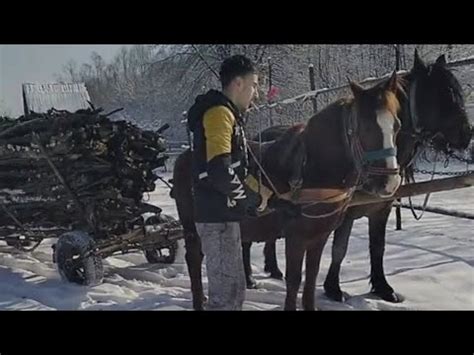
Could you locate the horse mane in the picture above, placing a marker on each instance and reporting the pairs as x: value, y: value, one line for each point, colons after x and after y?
x: 285, y: 157
x: 277, y: 158
x: 401, y: 85
x: 453, y: 84
x: 391, y: 103
x: 390, y: 99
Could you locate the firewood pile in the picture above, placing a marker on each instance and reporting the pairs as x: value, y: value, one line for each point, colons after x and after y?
x: 61, y: 171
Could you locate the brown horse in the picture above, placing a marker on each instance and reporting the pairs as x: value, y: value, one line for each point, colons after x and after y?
x: 432, y: 112
x: 350, y: 141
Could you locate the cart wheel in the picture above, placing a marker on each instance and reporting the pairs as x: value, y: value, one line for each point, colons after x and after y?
x: 67, y: 254
x: 162, y: 256
x: 165, y: 255
x: 158, y: 218
x: 17, y: 243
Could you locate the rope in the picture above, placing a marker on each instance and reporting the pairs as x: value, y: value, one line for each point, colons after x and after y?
x: 427, y: 197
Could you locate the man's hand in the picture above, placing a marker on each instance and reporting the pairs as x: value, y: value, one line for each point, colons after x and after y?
x: 289, y: 208
x: 253, y: 201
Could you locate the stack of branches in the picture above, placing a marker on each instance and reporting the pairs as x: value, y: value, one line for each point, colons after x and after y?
x: 61, y: 171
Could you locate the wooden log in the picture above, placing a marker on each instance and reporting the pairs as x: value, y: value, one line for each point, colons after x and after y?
x: 79, y: 159
x: 34, y: 231
x: 419, y: 188
x: 22, y: 126
x: 30, y: 161
x: 83, y: 214
x: 439, y: 210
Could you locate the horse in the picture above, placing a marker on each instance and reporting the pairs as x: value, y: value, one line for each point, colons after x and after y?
x: 349, y: 143
x: 432, y: 111
x: 269, y: 251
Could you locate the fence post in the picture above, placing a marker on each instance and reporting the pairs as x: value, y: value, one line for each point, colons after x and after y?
x: 398, y: 212
x: 312, y: 86
x: 397, y: 57
x: 270, y: 88
x: 450, y: 52
x: 188, y: 131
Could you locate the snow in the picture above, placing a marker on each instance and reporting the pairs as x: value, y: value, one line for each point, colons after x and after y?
x: 430, y: 262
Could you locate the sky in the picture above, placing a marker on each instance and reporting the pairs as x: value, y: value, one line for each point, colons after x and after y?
x: 38, y: 63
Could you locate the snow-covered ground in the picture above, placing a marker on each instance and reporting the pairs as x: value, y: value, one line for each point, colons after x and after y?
x: 430, y: 262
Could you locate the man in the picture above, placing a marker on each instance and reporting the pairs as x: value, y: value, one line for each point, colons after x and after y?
x: 219, y: 170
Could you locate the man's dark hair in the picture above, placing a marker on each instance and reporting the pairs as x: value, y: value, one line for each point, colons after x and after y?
x: 237, y: 65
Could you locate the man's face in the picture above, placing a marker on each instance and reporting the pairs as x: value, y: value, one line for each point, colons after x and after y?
x: 246, y: 90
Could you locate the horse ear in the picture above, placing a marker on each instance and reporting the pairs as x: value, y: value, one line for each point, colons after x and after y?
x: 392, y: 83
x: 418, y: 64
x: 355, y: 88
x: 441, y: 60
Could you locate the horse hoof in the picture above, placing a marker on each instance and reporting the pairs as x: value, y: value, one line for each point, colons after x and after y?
x: 251, y: 284
x: 199, y: 305
x: 390, y: 296
x: 335, y: 295
x: 278, y: 275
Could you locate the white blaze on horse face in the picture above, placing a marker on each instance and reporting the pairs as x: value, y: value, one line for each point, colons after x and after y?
x: 386, y: 122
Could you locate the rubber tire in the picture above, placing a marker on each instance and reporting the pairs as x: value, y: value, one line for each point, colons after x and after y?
x: 16, y: 242
x: 90, y: 271
x: 152, y: 255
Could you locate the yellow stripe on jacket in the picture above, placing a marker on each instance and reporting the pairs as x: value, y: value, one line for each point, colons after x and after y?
x: 218, y: 123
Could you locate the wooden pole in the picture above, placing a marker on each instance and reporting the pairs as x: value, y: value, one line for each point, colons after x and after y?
x: 420, y: 188
x: 270, y: 88
x: 312, y: 86
x: 440, y: 211
x: 398, y: 212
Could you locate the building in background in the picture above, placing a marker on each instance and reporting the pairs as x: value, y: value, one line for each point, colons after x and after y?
x: 40, y: 98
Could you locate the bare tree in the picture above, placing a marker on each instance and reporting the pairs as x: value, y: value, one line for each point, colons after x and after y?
x: 4, y: 112
x: 156, y: 83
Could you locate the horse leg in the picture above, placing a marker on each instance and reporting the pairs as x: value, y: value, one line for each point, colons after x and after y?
x: 271, y: 263
x: 380, y: 286
x: 249, y: 280
x: 313, y: 258
x: 194, y: 258
x: 294, y: 251
x: 339, y: 250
